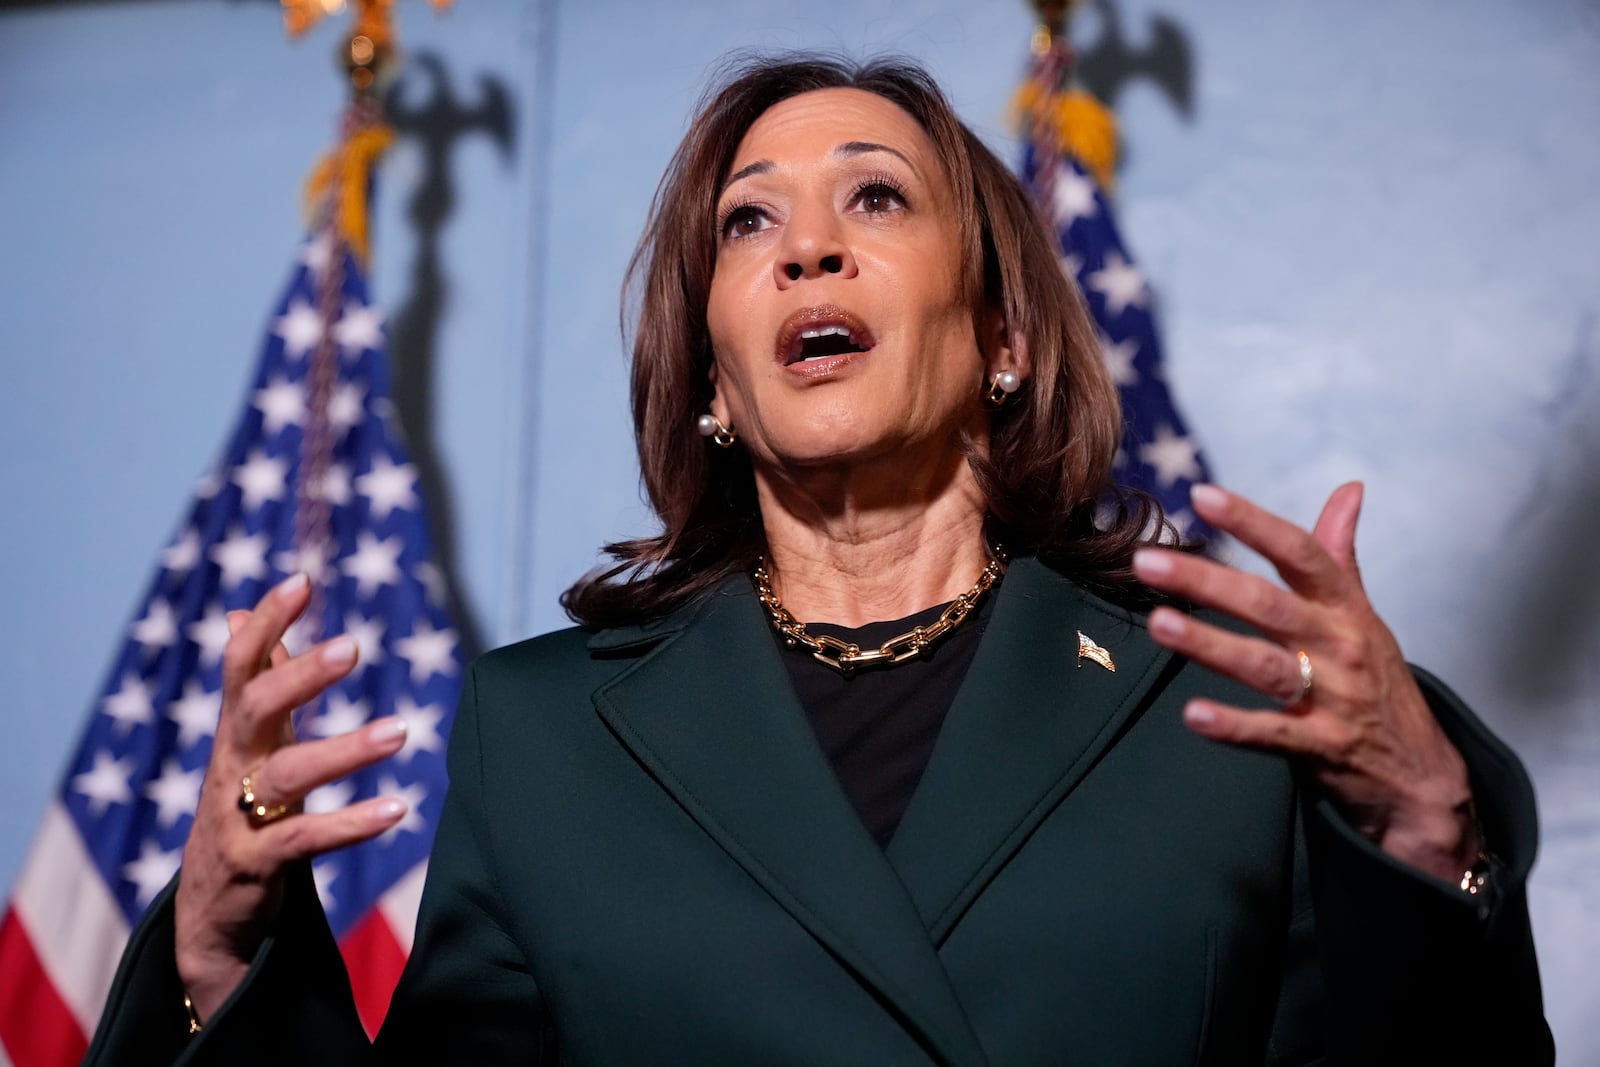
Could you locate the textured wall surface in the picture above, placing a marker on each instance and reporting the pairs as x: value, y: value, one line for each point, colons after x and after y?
x: 1373, y: 241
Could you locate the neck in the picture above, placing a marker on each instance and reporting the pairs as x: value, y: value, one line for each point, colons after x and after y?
x: 872, y: 542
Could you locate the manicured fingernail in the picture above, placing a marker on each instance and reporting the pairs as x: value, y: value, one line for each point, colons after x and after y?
x: 290, y: 587
x: 339, y: 651
x: 1208, y: 497
x: 390, y: 810
x: 1152, y: 563
x: 1198, y: 714
x: 1168, y: 623
x: 385, y: 730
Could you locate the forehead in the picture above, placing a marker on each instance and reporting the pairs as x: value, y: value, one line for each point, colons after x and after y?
x: 821, y: 120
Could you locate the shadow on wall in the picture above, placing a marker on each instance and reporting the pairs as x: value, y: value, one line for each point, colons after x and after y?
x: 1555, y: 586
x: 434, y: 125
x: 1112, y: 61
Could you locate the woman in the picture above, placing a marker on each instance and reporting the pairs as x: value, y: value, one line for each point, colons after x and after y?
x: 1042, y: 824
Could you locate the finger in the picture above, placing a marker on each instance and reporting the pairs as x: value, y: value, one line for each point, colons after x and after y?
x: 1266, y: 667
x: 1335, y: 530
x: 1297, y: 556
x: 279, y: 654
x: 261, y: 708
x: 292, y: 772
x: 1313, y: 736
x: 1249, y: 598
x: 304, y: 836
x: 250, y: 646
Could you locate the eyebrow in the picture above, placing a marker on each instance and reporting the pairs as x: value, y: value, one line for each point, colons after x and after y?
x: 846, y: 150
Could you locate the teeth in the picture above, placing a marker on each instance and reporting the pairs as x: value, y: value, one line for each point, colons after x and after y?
x: 825, y: 331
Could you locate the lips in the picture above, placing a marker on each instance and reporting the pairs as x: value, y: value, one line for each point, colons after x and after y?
x: 816, y: 338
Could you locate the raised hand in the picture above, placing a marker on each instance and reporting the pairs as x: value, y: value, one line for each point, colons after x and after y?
x: 231, y: 883
x: 1349, y: 707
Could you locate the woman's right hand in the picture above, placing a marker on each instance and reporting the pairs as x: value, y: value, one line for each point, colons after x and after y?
x: 232, y: 879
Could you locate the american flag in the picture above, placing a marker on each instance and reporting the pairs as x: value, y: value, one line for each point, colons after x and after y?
x: 1158, y: 454
x: 316, y: 479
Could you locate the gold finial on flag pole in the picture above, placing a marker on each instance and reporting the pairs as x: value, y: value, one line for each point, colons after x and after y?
x: 1053, y: 16
x: 370, y: 45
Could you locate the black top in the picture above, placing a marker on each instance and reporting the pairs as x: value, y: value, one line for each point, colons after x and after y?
x: 878, y: 724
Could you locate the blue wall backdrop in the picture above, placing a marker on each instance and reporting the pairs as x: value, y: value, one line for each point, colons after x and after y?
x: 1373, y: 243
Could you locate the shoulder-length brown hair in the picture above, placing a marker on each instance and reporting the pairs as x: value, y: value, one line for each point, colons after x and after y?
x: 1048, y: 471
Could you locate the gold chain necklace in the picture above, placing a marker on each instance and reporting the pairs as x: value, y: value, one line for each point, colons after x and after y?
x: 846, y: 656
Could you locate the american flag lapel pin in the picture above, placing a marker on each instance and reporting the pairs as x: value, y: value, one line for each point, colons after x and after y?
x: 1087, y: 649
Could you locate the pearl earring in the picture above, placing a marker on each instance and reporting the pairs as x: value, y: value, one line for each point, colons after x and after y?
x: 711, y: 426
x: 1003, y: 385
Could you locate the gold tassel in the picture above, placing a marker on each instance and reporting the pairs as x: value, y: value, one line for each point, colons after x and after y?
x: 360, y: 155
x: 1081, y: 126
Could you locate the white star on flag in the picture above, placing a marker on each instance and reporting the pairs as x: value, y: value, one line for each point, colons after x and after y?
x: 323, y: 874
x: 242, y: 557
x: 211, y: 634
x: 1073, y: 197
x: 1172, y: 456
x: 1121, y: 283
x: 422, y: 728
x: 330, y: 797
x: 317, y: 253
x: 388, y: 486
x: 310, y: 559
x: 105, y: 783
x: 368, y: 634
x: 429, y: 651
x: 151, y: 872
x: 359, y: 328
x: 340, y: 715
x: 261, y: 478
x: 335, y: 488
x: 158, y: 628
x: 301, y: 329
x: 281, y: 403
x: 413, y: 795
x: 1119, y: 360
x: 195, y: 712
x: 181, y: 556
x: 175, y: 792
x: 131, y: 705
x: 347, y: 405
x: 374, y: 563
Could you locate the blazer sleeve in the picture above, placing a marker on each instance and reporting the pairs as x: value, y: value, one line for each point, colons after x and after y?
x: 465, y: 996
x: 1388, y: 965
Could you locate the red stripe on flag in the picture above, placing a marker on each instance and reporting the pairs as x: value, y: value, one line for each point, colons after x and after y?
x: 374, y: 959
x: 36, y: 1026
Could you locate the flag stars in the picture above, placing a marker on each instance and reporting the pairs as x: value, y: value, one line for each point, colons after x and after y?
x: 429, y: 651
x: 300, y: 327
x: 1119, y: 282
x: 1073, y: 197
x: 158, y: 628
x: 151, y: 872
x: 368, y: 635
x: 211, y: 634
x: 335, y: 487
x: 347, y: 405
x: 1172, y: 456
x: 323, y: 874
x: 131, y: 705
x: 317, y: 254
x: 242, y: 557
x: 181, y: 556
x: 261, y: 478
x: 340, y: 715
x: 359, y: 328
x: 1119, y: 358
x: 422, y: 728
x: 281, y: 403
x: 388, y: 486
x: 196, y: 711
x: 105, y: 783
x: 175, y: 793
x: 413, y: 795
x: 374, y: 563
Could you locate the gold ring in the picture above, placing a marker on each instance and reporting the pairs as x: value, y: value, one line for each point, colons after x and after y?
x: 1307, y: 675
x: 260, y: 814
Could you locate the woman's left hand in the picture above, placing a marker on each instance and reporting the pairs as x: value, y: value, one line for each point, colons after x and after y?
x: 1362, y: 727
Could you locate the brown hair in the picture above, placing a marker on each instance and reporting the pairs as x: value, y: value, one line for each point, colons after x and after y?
x: 1048, y: 471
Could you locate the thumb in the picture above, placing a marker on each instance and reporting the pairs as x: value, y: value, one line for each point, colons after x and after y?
x: 1335, y: 530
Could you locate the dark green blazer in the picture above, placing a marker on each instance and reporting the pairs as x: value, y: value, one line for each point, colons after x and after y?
x: 645, y: 858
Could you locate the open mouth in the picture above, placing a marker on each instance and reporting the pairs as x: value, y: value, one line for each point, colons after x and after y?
x: 813, y: 335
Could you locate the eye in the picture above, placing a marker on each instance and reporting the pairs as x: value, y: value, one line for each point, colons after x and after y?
x: 879, y: 196
x: 742, y: 220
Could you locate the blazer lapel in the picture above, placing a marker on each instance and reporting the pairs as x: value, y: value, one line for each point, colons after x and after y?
x: 710, y: 713
x: 1028, y: 723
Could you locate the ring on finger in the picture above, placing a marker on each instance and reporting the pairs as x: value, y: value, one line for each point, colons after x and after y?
x: 258, y: 813
x: 1307, y: 675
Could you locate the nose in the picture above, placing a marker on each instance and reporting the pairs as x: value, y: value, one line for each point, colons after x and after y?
x: 812, y: 248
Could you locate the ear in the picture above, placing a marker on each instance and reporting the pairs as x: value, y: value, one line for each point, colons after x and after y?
x: 1001, y: 350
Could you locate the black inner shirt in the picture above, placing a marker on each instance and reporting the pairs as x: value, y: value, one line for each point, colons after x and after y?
x: 878, y: 724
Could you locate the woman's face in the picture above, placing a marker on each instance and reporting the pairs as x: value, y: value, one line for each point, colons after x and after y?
x: 837, y: 317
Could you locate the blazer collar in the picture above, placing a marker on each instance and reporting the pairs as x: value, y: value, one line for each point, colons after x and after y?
x: 709, y: 712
